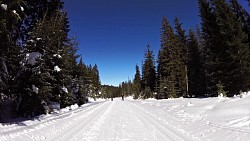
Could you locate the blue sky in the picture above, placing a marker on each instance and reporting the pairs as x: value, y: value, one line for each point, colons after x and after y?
x: 114, y: 33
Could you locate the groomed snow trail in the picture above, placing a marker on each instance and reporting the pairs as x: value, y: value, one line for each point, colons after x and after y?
x: 108, y: 121
x: 209, y: 119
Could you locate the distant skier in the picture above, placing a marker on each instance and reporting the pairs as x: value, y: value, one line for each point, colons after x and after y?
x: 122, y: 97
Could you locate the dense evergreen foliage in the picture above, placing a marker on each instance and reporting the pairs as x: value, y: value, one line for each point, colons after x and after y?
x: 196, y: 74
x: 137, y: 83
x: 148, y: 74
x: 38, y: 60
x: 207, y: 62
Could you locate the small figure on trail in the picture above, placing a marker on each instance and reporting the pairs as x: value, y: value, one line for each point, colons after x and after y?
x: 111, y: 97
x: 122, y: 97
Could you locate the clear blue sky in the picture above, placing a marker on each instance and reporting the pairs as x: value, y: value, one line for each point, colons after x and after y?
x: 114, y: 33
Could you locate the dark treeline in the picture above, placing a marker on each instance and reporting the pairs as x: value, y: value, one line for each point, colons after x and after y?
x: 39, y: 65
x: 214, y: 59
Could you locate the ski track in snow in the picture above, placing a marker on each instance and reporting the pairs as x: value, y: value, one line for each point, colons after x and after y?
x: 135, y: 120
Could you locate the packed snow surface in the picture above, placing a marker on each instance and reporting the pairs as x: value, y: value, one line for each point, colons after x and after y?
x: 208, y: 119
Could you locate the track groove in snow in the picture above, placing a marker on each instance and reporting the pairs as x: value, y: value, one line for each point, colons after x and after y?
x: 162, y: 128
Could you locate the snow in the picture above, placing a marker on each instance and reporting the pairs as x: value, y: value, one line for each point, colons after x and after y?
x: 22, y: 9
x: 38, y: 39
x: 57, y: 69
x: 65, y: 89
x: 33, y: 57
x: 68, y: 108
x: 220, y: 95
x: 30, y: 41
x: 14, y: 11
x: 4, y: 6
x: 181, y: 119
x: 35, y: 89
x: 57, y: 55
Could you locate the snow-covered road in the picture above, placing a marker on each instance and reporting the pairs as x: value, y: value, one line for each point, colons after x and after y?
x: 137, y: 120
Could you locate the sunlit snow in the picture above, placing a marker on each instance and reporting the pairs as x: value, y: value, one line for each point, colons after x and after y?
x: 65, y: 89
x: 14, y: 11
x: 57, y: 69
x: 180, y: 119
x: 57, y: 55
x: 22, y: 9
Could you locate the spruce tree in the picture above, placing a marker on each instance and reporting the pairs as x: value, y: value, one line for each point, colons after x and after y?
x: 195, y: 67
x: 227, y: 48
x: 167, y: 78
x: 96, y: 83
x: 241, y: 15
x: 212, y: 40
x: 12, y: 15
x: 235, y: 60
x: 148, y: 70
x: 137, y: 83
x: 80, y: 86
x: 181, y: 58
x: 46, y: 79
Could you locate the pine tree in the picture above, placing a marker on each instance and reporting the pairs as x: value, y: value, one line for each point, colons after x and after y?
x: 195, y: 68
x: 81, y: 88
x: 241, y: 15
x: 137, y: 83
x: 11, y: 18
x: 227, y: 48
x: 167, y: 79
x: 236, y: 59
x: 96, y: 83
x: 12, y: 15
x: 148, y: 71
x: 36, y: 10
x: 181, y: 49
x: 49, y: 76
x: 211, y: 45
